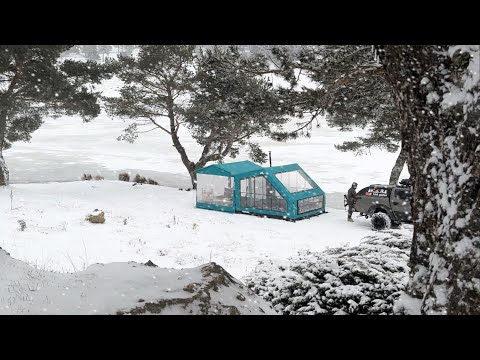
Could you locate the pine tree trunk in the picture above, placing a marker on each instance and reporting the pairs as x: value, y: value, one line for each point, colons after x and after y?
x: 176, y: 142
x: 398, y: 167
x: 4, y: 174
x: 188, y: 164
x: 443, y: 149
x: 193, y: 178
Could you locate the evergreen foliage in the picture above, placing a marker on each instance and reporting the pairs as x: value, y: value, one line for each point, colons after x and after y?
x: 364, y: 279
x: 34, y: 83
x: 215, y: 93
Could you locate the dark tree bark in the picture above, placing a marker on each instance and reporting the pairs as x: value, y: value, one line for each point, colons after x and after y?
x: 443, y: 147
x: 190, y: 165
x: 4, y: 100
x: 398, y: 167
x: 4, y: 174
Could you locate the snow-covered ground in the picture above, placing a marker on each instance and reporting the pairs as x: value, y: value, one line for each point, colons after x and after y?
x: 161, y: 223
x: 147, y: 222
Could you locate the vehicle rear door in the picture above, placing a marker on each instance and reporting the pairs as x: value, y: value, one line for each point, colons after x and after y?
x: 400, y: 204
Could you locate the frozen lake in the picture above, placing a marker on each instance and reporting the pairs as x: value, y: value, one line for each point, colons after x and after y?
x: 64, y: 149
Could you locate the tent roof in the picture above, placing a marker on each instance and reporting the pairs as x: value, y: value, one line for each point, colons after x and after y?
x: 232, y: 169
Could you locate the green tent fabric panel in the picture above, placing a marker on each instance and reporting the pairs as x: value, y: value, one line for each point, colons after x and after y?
x: 229, y: 209
x: 246, y: 169
x: 239, y: 167
x: 230, y: 169
x: 213, y: 170
x: 277, y: 185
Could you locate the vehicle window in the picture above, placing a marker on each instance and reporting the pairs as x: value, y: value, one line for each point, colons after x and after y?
x: 403, y: 194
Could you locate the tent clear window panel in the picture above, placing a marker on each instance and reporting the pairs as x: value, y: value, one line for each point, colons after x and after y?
x: 294, y: 181
x: 257, y: 192
x: 214, y: 189
x: 310, y: 204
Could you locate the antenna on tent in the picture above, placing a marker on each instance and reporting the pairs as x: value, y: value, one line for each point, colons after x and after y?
x: 270, y: 158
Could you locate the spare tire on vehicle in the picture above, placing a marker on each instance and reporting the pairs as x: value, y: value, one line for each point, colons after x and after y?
x: 381, y: 221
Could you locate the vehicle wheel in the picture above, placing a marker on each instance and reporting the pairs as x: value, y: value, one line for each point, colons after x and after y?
x: 381, y: 221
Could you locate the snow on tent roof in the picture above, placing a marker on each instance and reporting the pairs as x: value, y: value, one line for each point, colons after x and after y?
x: 232, y: 169
x: 282, y: 168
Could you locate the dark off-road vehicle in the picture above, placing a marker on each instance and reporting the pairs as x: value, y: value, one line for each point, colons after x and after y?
x: 386, y: 205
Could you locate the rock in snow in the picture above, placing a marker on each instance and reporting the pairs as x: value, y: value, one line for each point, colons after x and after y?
x: 96, y: 217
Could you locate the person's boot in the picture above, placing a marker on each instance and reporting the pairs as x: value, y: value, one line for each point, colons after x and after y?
x: 350, y: 219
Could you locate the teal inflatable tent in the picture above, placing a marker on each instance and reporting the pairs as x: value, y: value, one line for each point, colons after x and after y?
x: 244, y: 187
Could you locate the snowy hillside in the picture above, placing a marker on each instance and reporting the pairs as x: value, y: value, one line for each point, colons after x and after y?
x: 124, y: 288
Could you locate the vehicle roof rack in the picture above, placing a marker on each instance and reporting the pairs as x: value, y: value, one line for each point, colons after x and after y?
x: 406, y: 182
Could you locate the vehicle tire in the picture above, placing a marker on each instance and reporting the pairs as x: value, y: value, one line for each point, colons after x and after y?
x: 381, y: 221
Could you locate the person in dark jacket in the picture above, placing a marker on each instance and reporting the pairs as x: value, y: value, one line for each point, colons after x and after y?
x: 351, y: 198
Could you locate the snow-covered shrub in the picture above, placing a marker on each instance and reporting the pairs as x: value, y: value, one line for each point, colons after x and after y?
x: 365, y: 279
x: 87, y: 177
x: 124, y: 177
x: 99, y: 177
x: 152, y: 182
x: 23, y: 225
x: 140, y: 179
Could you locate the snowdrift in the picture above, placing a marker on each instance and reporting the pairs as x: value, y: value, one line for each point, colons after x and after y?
x: 125, y: 288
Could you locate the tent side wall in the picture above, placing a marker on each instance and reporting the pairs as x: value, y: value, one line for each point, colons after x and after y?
x: 207, y: 206
x: 318, y: 192
x: 307, y: 195
x: 214, y: 189
x: 294, y: 198
x: 277, y: 185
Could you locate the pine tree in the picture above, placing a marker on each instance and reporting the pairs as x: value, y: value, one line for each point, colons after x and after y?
x: 34, y: 83
x: 167, y: 87
x: 348, y: 87
x: 230, y: 105
x: 437, y: 92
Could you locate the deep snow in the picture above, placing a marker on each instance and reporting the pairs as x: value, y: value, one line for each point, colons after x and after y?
x: 124, y: 288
